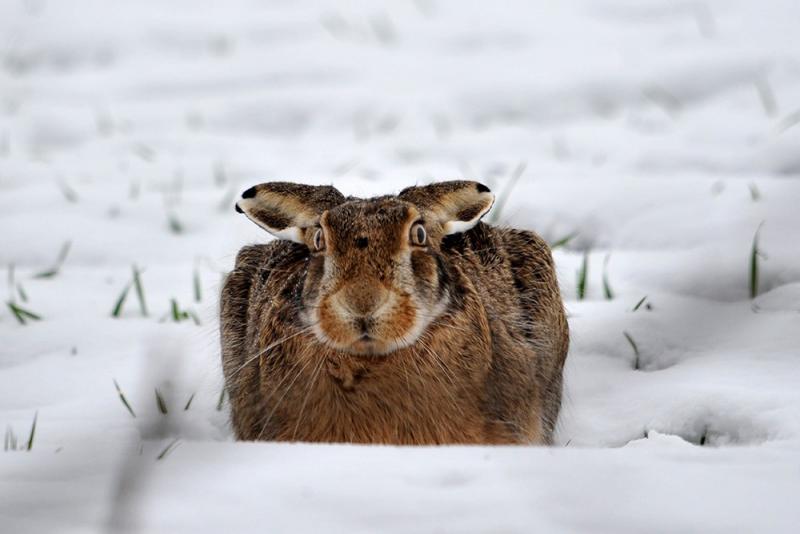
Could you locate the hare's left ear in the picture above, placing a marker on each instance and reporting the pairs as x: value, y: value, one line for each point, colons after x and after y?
x: 457, y: 205
x: 285, y: 209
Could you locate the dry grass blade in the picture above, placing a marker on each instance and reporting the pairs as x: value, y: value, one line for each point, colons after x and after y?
x: 188, y: 403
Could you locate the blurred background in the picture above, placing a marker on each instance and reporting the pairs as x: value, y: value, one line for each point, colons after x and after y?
x: 647, y: 141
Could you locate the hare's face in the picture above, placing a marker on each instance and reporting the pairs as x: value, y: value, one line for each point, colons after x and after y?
x: 376, y: 278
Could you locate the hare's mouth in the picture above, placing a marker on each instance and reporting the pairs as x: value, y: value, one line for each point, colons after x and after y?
x: 365, y: 343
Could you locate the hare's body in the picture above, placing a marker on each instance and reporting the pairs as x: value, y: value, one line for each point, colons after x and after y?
x: 485, y: 367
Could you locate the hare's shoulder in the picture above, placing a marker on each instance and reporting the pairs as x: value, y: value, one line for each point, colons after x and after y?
x: 530, y: 259
x: 533, y: 271
x: 269, y: 256
x: 505, y: 261
x: 497, y: 249
x: 255, y: 266
x: 249, y: 284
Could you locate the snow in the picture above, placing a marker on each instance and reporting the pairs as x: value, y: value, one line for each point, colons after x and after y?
x: 661, y: 134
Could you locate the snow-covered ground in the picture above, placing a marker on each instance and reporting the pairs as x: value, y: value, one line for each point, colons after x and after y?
x: 657, y: 135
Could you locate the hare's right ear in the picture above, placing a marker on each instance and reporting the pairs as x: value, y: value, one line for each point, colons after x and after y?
x: 457, y: 206
x: 285, y: 209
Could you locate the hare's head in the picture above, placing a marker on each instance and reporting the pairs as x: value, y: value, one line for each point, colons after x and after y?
x: 376, y: 277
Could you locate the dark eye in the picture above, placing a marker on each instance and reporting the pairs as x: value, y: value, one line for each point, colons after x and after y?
x: 319, y: 240
x: 418, y: 234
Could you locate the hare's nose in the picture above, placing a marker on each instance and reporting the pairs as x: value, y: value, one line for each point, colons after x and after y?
x: 361, y: 300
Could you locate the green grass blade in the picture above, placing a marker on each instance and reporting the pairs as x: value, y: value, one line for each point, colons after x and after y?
x: 161, y: 403
x: 583, y: 273
x: 123, y: 399
x: 175, y: 225
x: 23, y: 296
x: 21, y: 314
x: 634, y: 347
x: 10, y: 441
x: 754, y: 254
x: 137, y: 284
x: 198, y: 290
x: 609, y: 294
x: 33, y: 431
x: 120, y: 302
x: 68, y: 192
x: 755, y: 193
x: 54, y: 270
x: 639, y: 304
x: 221, y: 400
x: 15, y: 312
x: 564, y: 241
x: 169, y: 448
x: 188, y: 403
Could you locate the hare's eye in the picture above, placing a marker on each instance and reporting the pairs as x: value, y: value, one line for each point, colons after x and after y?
x: 418, y: 234
x: 319, y: 239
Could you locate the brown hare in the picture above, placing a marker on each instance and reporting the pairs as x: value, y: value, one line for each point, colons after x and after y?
x: 397, y: 319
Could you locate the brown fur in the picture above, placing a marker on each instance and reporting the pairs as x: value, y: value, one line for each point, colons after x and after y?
x: 486, y: 369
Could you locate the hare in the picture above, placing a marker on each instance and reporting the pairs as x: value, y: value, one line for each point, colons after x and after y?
x: 392, y: 320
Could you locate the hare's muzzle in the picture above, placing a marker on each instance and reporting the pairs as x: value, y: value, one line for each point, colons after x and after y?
x: 363, y: 309
x: 366, y: 319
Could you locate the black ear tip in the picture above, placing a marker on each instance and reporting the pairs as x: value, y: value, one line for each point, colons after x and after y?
x: 250, y: 193
x: 483, y: 189
x: 238, y: 209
